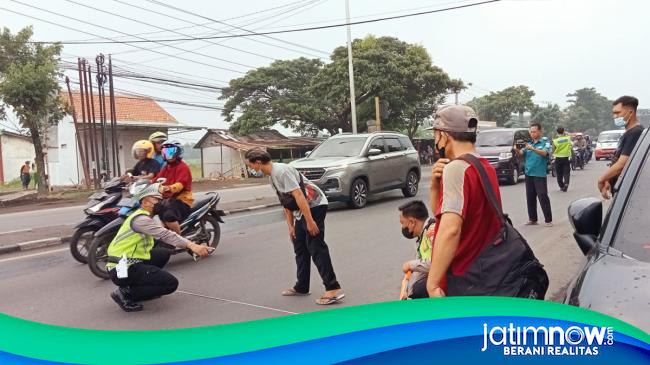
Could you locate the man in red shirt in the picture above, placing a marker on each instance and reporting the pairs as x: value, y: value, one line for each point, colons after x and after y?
x: 177, y: 188
x: 467, y: 221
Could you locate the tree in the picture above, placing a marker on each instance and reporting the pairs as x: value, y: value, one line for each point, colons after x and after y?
x: 28, y: 84
x: 308, y: 95
x: 499, y: 106
x: 549, y: 116
x: 588, y: 112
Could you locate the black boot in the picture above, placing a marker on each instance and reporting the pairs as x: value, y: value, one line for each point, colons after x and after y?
x: 121, y: 297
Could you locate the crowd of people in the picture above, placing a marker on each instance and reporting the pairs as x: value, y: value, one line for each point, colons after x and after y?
x: 465, y: 244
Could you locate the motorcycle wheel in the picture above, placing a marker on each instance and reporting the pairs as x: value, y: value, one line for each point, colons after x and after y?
x: 79, y: 243
x: 211, y: 230
x: 98, y: 256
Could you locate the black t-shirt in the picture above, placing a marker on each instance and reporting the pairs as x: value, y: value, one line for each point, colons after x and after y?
x: 145, y: 167
x: 626, y: 145
x: 627, y: 142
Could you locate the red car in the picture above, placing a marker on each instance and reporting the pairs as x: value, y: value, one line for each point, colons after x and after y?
x: 607, y: 144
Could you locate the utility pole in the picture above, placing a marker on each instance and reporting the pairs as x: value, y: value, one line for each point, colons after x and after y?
x: 353, y: 102
x: 377, y: 113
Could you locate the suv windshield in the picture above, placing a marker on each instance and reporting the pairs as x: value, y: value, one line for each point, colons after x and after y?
x: 339, y: 147
x: 609, y: 137
x: 631, y: 239
x: 495, y: 138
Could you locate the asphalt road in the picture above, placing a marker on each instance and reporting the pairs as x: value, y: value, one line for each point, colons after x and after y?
x: 254, y: 262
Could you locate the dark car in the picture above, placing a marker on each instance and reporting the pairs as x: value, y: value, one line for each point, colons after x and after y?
x: 615, y: 279
x: 497, y: 146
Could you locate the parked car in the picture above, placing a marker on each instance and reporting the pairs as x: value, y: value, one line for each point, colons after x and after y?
x: 497, y: 146
x: 615, y: 278
x: 349, y: 167
x: 607, y: 144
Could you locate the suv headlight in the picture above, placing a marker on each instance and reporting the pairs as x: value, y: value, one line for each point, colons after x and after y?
x: 505, y: 155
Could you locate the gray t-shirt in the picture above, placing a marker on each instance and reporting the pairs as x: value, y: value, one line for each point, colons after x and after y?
x: 285, y: 179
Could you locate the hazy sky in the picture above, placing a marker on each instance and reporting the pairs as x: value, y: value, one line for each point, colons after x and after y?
x: 553, y: 46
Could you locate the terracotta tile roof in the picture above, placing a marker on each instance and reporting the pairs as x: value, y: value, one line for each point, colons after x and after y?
x: 127, y: 108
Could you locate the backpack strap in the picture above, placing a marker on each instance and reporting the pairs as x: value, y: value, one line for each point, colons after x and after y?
x: 488, y: 189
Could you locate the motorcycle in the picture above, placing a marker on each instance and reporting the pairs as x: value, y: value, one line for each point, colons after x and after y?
x: 577, y: 159
x: 100, y: 210
x: 204, y: 214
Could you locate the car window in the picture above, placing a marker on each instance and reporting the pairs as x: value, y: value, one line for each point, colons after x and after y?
x: 378, y: 143
x: 494, y: 138
x: 339, y: 147
x: 633, y: 236
x: 609, y: 137
x: 406, y: 143
x: 393, y: 145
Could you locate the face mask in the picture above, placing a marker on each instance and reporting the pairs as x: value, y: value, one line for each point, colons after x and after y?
x: 441, y: 150
x: 619, y: 122
x: 407, y: 234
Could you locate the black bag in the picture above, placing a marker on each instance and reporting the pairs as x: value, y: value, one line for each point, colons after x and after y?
x: 286, y: 199
x: 506, y: 266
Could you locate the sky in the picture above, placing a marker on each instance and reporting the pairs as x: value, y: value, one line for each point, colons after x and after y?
x: 553, y: 46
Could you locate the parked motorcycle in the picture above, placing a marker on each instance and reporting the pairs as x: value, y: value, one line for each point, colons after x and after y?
x: 202, y: 226
x: 100, y: 210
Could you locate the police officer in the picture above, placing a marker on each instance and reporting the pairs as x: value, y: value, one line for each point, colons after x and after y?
x: 135, y: 265
x: 562, y: 151
x: 536, y: 154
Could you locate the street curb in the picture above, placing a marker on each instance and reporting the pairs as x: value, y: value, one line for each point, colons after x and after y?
x: 55, y: 241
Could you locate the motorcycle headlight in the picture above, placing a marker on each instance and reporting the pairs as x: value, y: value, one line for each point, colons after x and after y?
x: 505, y: 155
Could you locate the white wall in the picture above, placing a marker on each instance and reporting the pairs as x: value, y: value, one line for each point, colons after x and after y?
x: 15, y: 151
x: 212, y: 162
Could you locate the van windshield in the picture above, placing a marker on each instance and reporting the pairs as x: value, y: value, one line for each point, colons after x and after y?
x: 609, y: 137
x: 495, y: 138
x: 339, y: 147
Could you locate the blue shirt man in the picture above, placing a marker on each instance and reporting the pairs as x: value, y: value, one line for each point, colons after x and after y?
x: 536, y: 156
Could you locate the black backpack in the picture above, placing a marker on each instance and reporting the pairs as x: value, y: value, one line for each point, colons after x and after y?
x: 507, y: 265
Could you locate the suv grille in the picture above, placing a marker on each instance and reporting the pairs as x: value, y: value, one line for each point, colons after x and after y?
x: 312, y: 174
x: 492, y: 159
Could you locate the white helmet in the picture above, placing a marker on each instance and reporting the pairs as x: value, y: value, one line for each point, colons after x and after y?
x: 141, y: 191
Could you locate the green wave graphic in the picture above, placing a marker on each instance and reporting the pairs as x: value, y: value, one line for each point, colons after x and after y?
x: 75, y: 345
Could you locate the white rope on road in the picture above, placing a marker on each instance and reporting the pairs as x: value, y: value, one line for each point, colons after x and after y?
x: 235, y: 302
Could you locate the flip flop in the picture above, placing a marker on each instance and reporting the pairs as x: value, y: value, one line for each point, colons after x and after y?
x: 291, y: 292
x: 330, y: 300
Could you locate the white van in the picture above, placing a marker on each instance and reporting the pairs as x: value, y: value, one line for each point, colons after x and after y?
x: 607, y: 144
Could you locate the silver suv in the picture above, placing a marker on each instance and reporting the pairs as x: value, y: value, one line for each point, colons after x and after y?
x: 348, y: 167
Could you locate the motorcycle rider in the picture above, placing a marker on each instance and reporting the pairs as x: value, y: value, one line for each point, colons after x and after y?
x: 136, y: 265
x: 581, y: 145
x: 177, y: 188
x: 157, y: 139
x: 146, y: 167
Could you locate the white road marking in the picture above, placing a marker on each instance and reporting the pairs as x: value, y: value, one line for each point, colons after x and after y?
x: 235, y: 302
x: 34, y: 254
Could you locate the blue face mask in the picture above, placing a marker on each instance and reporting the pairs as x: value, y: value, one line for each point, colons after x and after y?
x: 619, y: 122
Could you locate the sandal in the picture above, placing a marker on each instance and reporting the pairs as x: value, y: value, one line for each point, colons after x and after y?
x: 291, y: 292
x: 330, y: 300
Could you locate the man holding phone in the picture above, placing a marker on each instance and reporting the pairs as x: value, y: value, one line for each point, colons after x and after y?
x: 536, y: 154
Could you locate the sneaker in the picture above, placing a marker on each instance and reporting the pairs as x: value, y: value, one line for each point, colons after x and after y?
x: 531, y: 223
x: 126, y: 304
x: 564, y: 189
x: 548, y: 224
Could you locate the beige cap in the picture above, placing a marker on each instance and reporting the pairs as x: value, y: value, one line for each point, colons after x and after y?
x: 456, y: 118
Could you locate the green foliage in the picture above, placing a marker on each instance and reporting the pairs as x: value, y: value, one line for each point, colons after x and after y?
x: 499, y: 106
x: 29, y: 85
x: 309, y: 95
x: 588, y: 112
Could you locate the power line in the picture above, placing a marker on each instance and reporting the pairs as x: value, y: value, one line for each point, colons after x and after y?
x: 282, y: 31
x: 111, y: 41
x: 233, y: 26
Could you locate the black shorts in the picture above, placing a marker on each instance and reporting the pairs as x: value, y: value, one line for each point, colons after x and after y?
x: 172, y: 210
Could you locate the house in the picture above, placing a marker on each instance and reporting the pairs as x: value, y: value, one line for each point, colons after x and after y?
x: 15, y: 149
x: 222, y: 153
x: 137, y: 117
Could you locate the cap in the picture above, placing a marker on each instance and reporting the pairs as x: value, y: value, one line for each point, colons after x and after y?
x: 148, y: 190
x: 456, y: 118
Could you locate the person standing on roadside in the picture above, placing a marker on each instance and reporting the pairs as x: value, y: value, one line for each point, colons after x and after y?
x: 624, y: 111
x: 536, y: 154
x: 25, y: 176
x: 562, y: 151
x: 305, y: 209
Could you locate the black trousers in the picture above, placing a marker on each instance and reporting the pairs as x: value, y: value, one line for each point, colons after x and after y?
x: 147, y: 280
x: 308, y: 248
x: 536, y: 188
x: 563, y: 171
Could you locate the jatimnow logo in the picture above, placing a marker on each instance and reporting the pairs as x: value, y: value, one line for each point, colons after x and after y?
x: 547, y: 340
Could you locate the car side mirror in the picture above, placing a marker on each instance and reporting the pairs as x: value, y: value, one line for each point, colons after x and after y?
x: 586, y: 217
x: 374, y: 152
x: 308, y: 153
